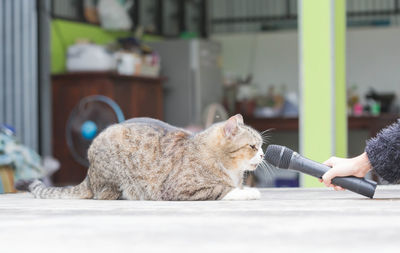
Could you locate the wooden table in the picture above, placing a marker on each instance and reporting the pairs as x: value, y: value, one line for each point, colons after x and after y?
x: 284, y: 220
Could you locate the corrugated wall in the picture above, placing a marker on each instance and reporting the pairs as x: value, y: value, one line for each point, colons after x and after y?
x: 19, y: 69
x: 236, y: 16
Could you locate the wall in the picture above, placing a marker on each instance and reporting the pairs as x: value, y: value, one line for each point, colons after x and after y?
x: 373, y: 60
x: 373, y: 57
x: 271, y: 57
x: 19, y: 69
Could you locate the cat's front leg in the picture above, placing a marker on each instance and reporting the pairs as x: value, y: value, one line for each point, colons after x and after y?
x: 243, y: 194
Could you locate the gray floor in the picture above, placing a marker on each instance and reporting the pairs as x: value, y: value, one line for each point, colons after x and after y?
x: 285, y: 220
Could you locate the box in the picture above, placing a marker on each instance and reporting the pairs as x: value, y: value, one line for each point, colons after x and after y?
x: 6, y: 179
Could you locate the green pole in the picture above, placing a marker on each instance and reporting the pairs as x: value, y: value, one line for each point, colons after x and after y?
x: 323, y: 120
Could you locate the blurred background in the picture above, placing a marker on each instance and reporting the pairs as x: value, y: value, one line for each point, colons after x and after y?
x: 70, y: 68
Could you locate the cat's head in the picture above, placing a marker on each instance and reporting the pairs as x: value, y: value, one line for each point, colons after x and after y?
x: 238, y: 145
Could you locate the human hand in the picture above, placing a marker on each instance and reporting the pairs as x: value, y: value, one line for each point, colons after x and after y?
x: 342, y: 167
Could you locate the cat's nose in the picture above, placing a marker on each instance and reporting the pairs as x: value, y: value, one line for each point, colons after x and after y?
x: 262, y: 156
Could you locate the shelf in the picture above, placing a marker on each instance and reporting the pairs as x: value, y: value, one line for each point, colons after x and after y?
x: 371, y: 123
x: 106, y: 74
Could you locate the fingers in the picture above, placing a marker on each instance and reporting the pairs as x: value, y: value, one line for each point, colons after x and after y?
x: 338, y: 170
x: 328, y: 176
x: 330, y: 161
x: 335, y: 171
x: 338, y: 188
x: 332, y: 173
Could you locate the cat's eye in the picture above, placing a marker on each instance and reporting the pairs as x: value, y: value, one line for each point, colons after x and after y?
x: 253, y: 147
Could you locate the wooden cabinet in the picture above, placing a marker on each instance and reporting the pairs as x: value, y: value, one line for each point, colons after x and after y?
x: 136, y: 96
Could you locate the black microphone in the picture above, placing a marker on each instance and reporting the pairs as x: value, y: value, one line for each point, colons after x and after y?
x: 285, y: 158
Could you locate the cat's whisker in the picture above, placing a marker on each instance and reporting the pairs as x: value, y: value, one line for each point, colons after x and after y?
x: 263, y: 171
x: 266, y: 172
x: 270, y: 168
x: 267, y: 131
x: 271, y: 176
x: 273, y: 169
x: 266, y: 135
x: 266, y: 141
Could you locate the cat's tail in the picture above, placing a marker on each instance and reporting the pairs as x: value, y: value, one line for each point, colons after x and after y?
x: 80, y: 191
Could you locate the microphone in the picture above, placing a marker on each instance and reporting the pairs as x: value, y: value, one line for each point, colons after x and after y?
x: 285, y: 158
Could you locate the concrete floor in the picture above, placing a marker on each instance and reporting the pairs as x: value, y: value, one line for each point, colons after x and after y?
x: 284, y: 220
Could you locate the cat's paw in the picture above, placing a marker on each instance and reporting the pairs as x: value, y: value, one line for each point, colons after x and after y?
x: 243, y: 194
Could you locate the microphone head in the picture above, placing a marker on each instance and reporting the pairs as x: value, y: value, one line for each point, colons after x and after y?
x: 278, y: 156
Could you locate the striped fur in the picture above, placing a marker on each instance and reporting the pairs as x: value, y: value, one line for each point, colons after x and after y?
x: 146, y: 159
x: 81, y: 191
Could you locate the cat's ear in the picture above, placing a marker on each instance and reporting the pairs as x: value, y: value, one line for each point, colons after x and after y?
x: 231, y: 126
x: 239, y: 118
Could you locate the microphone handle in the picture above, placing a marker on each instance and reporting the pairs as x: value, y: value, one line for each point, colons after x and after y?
x: 355, y: 184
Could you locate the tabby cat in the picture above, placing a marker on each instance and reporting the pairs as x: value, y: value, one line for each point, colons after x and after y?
x: 147, y: 159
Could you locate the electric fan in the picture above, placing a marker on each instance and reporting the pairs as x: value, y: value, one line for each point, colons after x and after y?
x: 214, y: 113
x: 88, y: 118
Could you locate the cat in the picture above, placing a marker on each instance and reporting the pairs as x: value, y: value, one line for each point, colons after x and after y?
x: 147, y: 159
